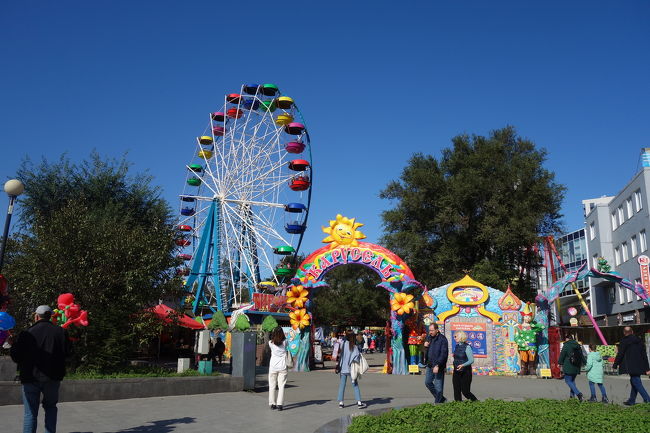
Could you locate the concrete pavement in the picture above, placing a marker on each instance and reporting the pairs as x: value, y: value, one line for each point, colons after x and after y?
x: 310, y: 402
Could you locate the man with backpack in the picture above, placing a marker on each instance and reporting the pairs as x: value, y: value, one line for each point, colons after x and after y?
x: 632, y: 357
x: 571, y: 360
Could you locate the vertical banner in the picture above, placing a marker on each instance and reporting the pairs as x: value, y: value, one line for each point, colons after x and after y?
x: 644, y: 264
x: 476, y: 337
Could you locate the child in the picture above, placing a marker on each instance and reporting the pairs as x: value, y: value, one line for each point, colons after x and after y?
x: 594, y: 370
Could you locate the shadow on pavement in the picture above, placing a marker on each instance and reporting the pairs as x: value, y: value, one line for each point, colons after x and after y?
x: 160, y: 426
x: 379, y: 400
x: 305, y: 403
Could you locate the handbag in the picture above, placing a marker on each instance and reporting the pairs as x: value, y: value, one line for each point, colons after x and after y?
x: 363, y: 364
x: 289, y: 360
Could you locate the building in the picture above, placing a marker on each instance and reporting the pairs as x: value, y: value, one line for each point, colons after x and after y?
x: 616, y: 228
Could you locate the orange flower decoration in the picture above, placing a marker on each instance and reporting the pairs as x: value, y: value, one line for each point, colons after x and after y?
x: 297, y: 296
x: 402, y: 303
x: 299, y: 318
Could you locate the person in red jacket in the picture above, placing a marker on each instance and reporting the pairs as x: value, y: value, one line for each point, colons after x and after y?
x: 632, y: 357
x: 40, y: 352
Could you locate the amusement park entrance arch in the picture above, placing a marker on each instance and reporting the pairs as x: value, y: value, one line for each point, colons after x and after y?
x: 344, y: 248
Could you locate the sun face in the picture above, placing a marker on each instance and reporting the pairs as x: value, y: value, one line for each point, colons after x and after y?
x: 343, y: 231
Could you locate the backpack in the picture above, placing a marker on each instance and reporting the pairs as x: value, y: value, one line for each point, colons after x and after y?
x: 575, y: 358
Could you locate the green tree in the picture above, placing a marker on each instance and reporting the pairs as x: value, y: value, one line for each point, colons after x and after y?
x: 218, y: 321
x: 480, y: 209
x: 352, y: 298
x: 93, y: 230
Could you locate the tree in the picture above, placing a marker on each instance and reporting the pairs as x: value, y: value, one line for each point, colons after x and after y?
x: 108, y: 238
x: 480, y: 209
x: 352, y: 298
x: 218, y: 321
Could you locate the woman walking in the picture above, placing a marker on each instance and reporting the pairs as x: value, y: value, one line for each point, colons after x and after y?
x: 349, y: 354
x: 463, y: 360
x: 594, y: 370
x: 277, y: 368
x: 571, y: 360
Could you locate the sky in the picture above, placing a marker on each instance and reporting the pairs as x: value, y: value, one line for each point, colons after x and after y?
x: 376, y: 82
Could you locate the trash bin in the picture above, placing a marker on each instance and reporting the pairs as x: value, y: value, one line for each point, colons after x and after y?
x: 205, y: 367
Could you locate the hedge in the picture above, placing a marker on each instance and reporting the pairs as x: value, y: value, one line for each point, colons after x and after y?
x: 538, y: 416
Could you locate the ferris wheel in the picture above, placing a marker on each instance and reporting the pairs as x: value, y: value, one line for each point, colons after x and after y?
x: 246, y: 199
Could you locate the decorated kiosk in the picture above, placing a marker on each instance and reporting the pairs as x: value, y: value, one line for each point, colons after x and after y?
x: 498, y: 325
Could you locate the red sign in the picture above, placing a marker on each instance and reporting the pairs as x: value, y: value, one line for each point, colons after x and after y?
x: 644, y: 265
x: 267, y: 302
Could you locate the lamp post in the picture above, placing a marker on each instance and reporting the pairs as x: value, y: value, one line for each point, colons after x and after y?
x: 13, y: 188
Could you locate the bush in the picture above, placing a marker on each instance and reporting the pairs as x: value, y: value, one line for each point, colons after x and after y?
x: 540, y: 416
x: 134, y: 372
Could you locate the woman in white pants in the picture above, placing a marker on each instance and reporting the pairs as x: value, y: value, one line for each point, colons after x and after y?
x: 277, y: 368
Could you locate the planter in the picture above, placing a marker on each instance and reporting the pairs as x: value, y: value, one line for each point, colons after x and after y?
x: 7, y: 369
x: 140, y: 387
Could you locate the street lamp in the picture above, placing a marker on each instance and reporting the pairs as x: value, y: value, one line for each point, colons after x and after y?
x: 13, y: 188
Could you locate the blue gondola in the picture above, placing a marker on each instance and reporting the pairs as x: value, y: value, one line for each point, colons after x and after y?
x: 188, y: 198
x: 251, y: 104
x: 251, y: 89
x: 295, y: 207
x: 295, y: 228
x: 187, y: 211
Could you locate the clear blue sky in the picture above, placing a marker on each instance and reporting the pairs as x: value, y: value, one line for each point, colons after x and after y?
x: 376, y: 82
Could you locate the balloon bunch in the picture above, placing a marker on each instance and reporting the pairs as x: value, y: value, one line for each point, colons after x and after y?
x: 68, y: 313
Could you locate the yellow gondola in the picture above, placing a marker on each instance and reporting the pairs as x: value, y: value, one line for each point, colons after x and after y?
x: 206, y: 154
x: 283, y: 119
x: 284, y: 102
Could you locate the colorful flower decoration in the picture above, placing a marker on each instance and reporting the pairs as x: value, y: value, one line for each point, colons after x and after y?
x: 297, y: 296
x: 299, y: 318
x: 402, y: 303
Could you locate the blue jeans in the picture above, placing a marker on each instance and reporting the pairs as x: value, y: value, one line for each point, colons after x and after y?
x: 592, y: 389
x: 355, y: 385
x: 435, y: 383
x: 637, y: 386
x: 570, y: 380
x: 31, y: 399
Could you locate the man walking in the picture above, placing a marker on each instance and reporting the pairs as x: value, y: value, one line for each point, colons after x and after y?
x: 436, y: 353
x: 632, y: 357
x: 40, y: 353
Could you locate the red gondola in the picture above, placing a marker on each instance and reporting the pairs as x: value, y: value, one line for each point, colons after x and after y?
x: 185, y: 228
x: 185, y: 256
x: 234, y: 98
x: 299, y: 183
x: 298, y: 165
x: 183, y: 242
x: 234, y: 113
x: 294, y: 147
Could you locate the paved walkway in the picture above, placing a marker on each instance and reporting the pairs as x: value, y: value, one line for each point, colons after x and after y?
x: 310, y: 402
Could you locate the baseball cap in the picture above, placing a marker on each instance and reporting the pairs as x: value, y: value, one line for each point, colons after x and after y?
x: 43, y: 310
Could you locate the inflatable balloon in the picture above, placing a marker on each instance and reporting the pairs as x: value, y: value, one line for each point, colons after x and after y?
x: 6, y: 321
x: 68, y: 313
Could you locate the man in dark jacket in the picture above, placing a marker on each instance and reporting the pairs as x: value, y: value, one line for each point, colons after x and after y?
x: 40, y: 353
x: 632, y: 356
x: 437, y: 351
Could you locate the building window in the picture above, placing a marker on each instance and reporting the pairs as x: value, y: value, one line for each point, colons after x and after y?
x: 635, y: 251
x: 643, y: 244
x: 617, y: 256
x: 592, y: 231
x: 624, y: 250
x: 612, y: 295
x: 629, y: 295
x: 621, y: 294
x: 595, y: 261
x: 628, y: 205
x: 621, y: 215
x: 637, y: 200
x: 614, y: 224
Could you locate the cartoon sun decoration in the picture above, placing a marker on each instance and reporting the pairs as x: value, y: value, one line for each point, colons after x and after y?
x: 299, y: 318
x: 297, y: 296
x: 402, y: 303
x: 343, y: 231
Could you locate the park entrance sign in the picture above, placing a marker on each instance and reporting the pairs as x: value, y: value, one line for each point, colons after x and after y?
x: 343, y: 247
